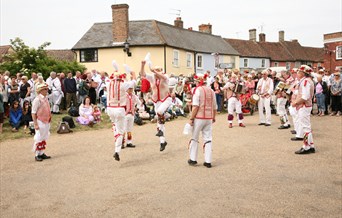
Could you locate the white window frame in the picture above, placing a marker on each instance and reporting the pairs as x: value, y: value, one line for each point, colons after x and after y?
x: 245, y: 62
x: 339, y: 52
x: 319, y: 64
x: 188, y: 60
x: 199, y: 62
x: 288, y: 65
x: 276, y: 64
x: 91, y: 53
x: 175, y: 61
x: 263, y: 63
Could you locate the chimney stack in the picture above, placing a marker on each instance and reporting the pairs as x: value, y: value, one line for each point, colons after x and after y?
x: 262, y: 37
x: 205, y: 28
x: 179, y: 22
x: 281, y: 36
x: 252, y: 35
x: 120, y: 22
x: 294, y: 40
x: 190, y: 28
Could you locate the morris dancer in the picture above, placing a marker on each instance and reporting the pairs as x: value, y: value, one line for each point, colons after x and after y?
x: 41, y: 117
x: 56, y: 92
x: 265, y: 89
x: 234, y: 100
x: 160, y: 97
x: 303, y: 104
x: 131, y: 101
x: 201, y: 118
x: 281, y: 101
x: 116, y: 105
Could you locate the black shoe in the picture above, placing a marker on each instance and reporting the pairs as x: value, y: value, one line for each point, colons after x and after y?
x: 293, y: 132
x: 192, y: 162
x: 122, y: 146
x: 44, y: 156
x: 260, y: 124
x: 38, y: 158
x: 160, y: 133
x: 130, y: 145
x: 162, y: 146
x: 267, y: 124
x: 312, y: 150
x: 116, y: 156
x: 303, y: 151
x: 296, y: 139
x: 283, y: 127
x: 208, y: 165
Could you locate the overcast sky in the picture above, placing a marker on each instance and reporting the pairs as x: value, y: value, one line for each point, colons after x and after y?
x: 64, y: 22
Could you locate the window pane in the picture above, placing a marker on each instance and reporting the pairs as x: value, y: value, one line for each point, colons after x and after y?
x: 89, y: 55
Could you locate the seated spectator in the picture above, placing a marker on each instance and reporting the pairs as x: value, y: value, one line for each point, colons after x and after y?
x: 15, y: 116
x: 96, y: 114
x: 143, y: 110
x: 27, y: 117
x: 86, y: 113
x: 178, y: 90
x: 188, y: 97
x: 176, y: 108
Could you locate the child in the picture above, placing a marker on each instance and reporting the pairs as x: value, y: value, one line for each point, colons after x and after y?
x: 96, y: 114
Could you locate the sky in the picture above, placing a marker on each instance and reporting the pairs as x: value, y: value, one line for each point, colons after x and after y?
x: 64, y: 22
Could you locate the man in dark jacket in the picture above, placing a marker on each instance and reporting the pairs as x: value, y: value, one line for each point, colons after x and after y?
x: 70, y: 90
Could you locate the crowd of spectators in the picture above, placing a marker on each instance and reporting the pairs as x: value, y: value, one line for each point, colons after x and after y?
x: 87, y: 91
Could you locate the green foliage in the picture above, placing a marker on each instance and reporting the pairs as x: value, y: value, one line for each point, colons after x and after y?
x: 27, y: 60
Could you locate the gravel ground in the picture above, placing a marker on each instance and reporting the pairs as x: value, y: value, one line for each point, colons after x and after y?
x: 255, y: 173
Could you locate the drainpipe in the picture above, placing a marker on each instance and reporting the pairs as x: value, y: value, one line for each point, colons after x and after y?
x: 195, y: 53
x: 165, y: 58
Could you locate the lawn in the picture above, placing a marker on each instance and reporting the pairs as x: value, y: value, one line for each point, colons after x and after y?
x: 7, y: 133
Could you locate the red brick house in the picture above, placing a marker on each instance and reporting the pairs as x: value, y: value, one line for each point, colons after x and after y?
x: 5, y: 49
x: 333, y: 51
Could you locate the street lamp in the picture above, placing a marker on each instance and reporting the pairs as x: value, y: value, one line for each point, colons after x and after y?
x: 126, y: 49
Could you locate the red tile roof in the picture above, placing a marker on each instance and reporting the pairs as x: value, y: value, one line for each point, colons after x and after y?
x: 4, y: 49
x: 247, y: 48
x: 62, y: 55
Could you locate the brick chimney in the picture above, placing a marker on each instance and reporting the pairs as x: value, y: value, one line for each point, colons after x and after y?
x: 262, y: 37
x: 281, y: 36
x: 252, y: 35
x: 179, y: 22
x: 190, y: 28
x: 120, y: 22
x: 205, y: 28
x: 294, y: 40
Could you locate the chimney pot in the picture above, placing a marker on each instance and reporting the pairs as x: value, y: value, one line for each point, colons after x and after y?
x: 190, y: 28
x: 120, y: 22
x: 205, y: 28
x: 262, y: 37
x: 252, y: 35
x: 281, y: 36
x: 178, y: 22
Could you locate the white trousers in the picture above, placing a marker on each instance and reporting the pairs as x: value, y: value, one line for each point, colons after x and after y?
x: 304, y: 126
x: 234, y: 103
x: 264, y: 103
x: 129, y: 122
x: 117, y: 116
x: 55, y: 99
x: 160, y: 108
x: 281, y: 111
x: 42, y: 134
x: 204, y: 126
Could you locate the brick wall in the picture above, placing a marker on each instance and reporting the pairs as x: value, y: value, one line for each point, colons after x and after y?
x: 120, y: 22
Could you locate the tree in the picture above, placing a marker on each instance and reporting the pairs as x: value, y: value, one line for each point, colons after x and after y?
x: 27, y: 60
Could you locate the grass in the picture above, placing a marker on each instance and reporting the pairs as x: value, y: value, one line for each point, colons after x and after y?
x: 7, y: 133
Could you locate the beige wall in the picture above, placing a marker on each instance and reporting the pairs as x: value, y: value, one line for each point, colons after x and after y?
x: 107, y: 55
x: 181, y: 68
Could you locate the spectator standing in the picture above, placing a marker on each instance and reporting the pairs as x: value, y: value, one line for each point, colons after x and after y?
x: 321, y: 89
x: 336, y: 89
x: 70, y: 88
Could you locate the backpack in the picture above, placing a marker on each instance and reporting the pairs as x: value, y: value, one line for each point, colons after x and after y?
x: 70, y: 121
x: 73, y: 111
x: 63, y: 127
x: 138, y: 120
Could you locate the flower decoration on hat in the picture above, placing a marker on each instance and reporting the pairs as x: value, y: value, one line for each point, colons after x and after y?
x: 305, y: 69
x: 200, y: 78
x: 42, y: 86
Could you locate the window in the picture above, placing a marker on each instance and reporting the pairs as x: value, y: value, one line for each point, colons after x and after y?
x: 88, y: 55
x: 263, y: 63
x: 245, y: 62
x: 199, y: 61
x: 276, y: 64
x: 175, y: 58
x: 319, y: 65
x: 288, y: 65
x: 338, y: 52
x: 188, y: 60
x: 297, y: 64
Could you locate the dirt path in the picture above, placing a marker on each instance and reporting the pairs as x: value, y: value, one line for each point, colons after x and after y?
x: 255, y: 173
